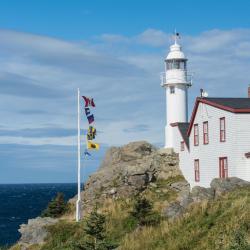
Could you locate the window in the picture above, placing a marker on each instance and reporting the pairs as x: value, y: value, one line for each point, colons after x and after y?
x: 197, y: 170
x: 223, y: 171
x: 182, y: 146
x: 196, y: 135
x: 222, y: 129
x: 183, y: 65
x: 168, y: 64
x: 205, y: 132
x: 176, y: 64
x: 172, y: 89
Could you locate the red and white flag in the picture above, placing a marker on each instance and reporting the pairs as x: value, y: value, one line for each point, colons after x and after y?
x: 88, y: 101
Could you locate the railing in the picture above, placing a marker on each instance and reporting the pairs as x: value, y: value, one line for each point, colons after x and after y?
x: 164, y: 79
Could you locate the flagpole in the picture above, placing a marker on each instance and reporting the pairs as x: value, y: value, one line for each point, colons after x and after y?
x: 78, y: 202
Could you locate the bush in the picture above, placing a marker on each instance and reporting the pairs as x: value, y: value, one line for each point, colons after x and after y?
x: 95, y: 234
x: 129, y: 224
x: 56, y: 208
x: 144, y: 214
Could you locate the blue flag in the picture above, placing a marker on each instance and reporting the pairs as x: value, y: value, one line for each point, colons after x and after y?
x: 86, y: 153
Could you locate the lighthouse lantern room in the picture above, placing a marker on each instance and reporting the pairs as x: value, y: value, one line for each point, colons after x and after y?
x: 176, y: 81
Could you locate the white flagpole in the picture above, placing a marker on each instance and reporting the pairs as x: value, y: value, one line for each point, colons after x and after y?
x: 78, y: 202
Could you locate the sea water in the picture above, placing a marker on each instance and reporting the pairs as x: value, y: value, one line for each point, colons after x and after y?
x: 20, y: 202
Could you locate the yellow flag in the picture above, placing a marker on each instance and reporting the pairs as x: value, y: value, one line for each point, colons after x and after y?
x: 92, y: 145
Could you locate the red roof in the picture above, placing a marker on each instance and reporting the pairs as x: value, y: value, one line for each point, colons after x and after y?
x: 234, y: 105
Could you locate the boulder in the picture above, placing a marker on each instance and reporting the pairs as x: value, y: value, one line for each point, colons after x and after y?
x: 129, y: 152
x: 181, y: 186
x: 35, y: 232
x: 218, y: 188
x: 178, y: 207
x: 199, y: 194
x: 174, y: 210
x: 222, y: 186
x: 185, y: 200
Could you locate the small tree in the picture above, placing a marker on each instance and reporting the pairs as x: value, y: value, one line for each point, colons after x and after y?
x: 56, y: 207
x: 95, y: 227
x: 95, y: 230
x: 239, y: 242
x: 143, y: 212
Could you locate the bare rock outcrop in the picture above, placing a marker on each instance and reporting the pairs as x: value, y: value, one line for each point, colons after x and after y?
x: 218, y: 187
x: 128, y: 170
x: 222, y: 186
x: 35, y: 232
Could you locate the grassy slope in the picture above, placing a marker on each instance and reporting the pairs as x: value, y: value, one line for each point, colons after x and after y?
x: 206, y: 226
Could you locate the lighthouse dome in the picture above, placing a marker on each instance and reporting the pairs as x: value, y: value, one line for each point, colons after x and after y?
x: 175, y: 52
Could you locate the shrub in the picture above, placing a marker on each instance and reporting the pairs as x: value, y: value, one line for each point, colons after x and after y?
x: 144, y: 214
x: 56, y: 208
x: 95, y: 234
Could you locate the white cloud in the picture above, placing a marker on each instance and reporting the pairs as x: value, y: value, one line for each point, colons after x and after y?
x: 153, y: 37
x: 111, y: 38
x: 62, y: 141
x: 122, y: 73
x: 214, y: 40
x: 243, y: 49
x: 39, y: 76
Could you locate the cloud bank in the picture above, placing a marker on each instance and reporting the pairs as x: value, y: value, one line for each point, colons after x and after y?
x: 39, y: 76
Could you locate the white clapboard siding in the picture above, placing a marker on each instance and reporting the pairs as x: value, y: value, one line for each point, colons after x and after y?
x: 185, y: 165
x: 235, y: 147
x: 209, y: 154
x: 242, y: 146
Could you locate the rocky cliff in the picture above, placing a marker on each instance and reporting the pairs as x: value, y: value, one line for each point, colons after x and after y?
x: 129, y: 170
x: 138, y: 168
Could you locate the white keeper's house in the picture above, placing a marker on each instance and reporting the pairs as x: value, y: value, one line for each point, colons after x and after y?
x: 215, y: 143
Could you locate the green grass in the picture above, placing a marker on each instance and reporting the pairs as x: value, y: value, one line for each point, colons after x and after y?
x: 161, y: 193
x: 208, y: 225
x: 62, y: 235
x: 118, y: 219
x: 118, y: 224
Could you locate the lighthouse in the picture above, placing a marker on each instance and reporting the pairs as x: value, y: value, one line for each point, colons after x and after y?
x: 176, y: 82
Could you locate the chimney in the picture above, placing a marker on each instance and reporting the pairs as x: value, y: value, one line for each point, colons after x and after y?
x: 201, y: 91
x: 248, y: 91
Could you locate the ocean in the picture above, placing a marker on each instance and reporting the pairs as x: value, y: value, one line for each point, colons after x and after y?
x: 20, y: 202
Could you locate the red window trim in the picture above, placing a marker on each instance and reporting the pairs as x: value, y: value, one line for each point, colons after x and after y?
x: 196, y: 136
x: 205, y: 135
x: 182, y: 146
x: 197, y: 170
x: 223, y: 170
x: 222, y: 131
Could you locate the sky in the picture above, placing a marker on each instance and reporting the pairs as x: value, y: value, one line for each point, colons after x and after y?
x: 114, y: 52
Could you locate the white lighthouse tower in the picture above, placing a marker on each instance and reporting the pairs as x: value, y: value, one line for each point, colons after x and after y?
x: 176, y: 82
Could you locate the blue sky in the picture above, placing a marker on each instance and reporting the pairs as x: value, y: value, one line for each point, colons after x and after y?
x: 113, y: 51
